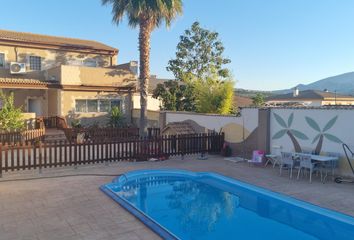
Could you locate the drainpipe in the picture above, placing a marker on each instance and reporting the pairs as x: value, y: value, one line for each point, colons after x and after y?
x: 16, y: 57
x: 268, y: 139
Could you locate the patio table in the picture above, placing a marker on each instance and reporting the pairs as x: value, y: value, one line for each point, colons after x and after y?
x: 324, y: 159
x: 321, y: 160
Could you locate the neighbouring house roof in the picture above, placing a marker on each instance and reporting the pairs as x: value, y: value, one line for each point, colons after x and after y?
x: 178, y: 128
x: 154, y: 81
x: 23, y: 38
x: 310, y: 95
x: 240, y: 101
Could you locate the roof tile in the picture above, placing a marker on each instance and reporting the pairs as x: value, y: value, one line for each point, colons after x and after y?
x: 64, y: 42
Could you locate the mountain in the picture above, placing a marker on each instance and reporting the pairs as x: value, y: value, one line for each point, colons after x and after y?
x: 251, y: 93
x: 343, y: 84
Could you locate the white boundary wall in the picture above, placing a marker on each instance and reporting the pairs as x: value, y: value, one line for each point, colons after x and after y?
x: 248, y: 118
x: 342, y: 129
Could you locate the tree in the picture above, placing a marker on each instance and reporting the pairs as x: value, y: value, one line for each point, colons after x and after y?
x: 258, y: 100
x: 199, y: 63
x: 147, y: 15
x: 214, y: 96
x: 175, y: 96
x: 198, y: 53
x: 10, y: 116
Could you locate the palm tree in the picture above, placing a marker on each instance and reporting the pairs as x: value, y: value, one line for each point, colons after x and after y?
x: 292, y: 133
x: 322, y: 133
x: 147, y: 14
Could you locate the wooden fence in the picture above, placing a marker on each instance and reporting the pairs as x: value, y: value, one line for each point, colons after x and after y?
x: 22, y: 136
x: 153, y: 132
x: 24, y: 156
x: 51, y: 122
x: 101, y: 134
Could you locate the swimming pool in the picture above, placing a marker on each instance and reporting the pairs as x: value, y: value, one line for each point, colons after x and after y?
x: 180, y: 204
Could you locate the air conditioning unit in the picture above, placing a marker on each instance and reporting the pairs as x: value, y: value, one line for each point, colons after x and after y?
x: 17, y: 68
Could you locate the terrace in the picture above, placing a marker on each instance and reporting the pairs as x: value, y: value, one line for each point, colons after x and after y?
x: 48, y: 209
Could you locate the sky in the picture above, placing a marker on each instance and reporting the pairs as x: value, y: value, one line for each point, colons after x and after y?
x: 273, y: 44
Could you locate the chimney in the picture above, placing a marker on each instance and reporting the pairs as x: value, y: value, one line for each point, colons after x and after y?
x: 133, y: 66
x: 295, y: 92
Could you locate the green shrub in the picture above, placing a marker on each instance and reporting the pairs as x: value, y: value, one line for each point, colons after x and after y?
x: 10, y: 116
x: 116, y: 118
x: 76, y: 123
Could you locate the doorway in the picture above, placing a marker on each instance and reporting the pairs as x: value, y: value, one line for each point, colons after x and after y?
x: 35, y: 105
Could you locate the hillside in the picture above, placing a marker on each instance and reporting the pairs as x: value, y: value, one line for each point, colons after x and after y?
x: 251, y: 93
x: 343, y: 84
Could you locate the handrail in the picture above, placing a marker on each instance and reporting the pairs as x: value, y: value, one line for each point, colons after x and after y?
x: 346, y: 150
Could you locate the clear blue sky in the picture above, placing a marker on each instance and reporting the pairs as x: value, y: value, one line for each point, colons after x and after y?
x: 273, y: 44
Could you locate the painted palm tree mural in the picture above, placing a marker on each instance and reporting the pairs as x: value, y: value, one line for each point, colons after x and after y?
x: 292, y: 133
x: 322, y: 134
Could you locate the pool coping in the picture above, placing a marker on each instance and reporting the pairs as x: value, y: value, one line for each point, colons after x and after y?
x: 166, y: 234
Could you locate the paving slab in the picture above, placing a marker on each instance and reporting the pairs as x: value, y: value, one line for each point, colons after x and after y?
x: 53, y: 205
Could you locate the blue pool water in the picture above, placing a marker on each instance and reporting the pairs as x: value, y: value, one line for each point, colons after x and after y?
x: 186, y: 205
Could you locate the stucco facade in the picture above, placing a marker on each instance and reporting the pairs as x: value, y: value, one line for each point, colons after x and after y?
x: 52, y: 57
x: 67, y: 75
x: 67, y: 106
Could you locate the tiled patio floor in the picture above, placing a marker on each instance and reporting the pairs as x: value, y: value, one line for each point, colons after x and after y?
x: 74, y: 208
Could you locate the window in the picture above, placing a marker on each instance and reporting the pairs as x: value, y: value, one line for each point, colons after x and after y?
x: 80, y: 106
x: 92, y: 106
x: 115, y: 103
x: 2, y: 60
x: 104, y: 106
x: 90, y: 63
x: 96, y: 105
x: 35, y: 63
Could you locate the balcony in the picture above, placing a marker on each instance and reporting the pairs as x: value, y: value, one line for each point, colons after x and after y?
x: 91, y: 76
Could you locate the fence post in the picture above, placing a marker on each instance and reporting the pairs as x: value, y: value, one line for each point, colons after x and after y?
x: 181, y: 144
x: 106, y: 153
x: 0, y: 160
x: 222, y: 141
x: 75, y: 155
x: 40, y: 156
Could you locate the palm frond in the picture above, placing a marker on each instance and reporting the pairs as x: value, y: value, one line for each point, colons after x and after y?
x: 280, y: 120
x: 330, y: 124
x: 153, y: 11
x: 312, y: 123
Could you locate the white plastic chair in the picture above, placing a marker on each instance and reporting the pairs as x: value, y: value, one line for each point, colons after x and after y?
x: 331, y: 166
x: 287, y: 160
x: 274, y: 157
x: 307, y: 164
